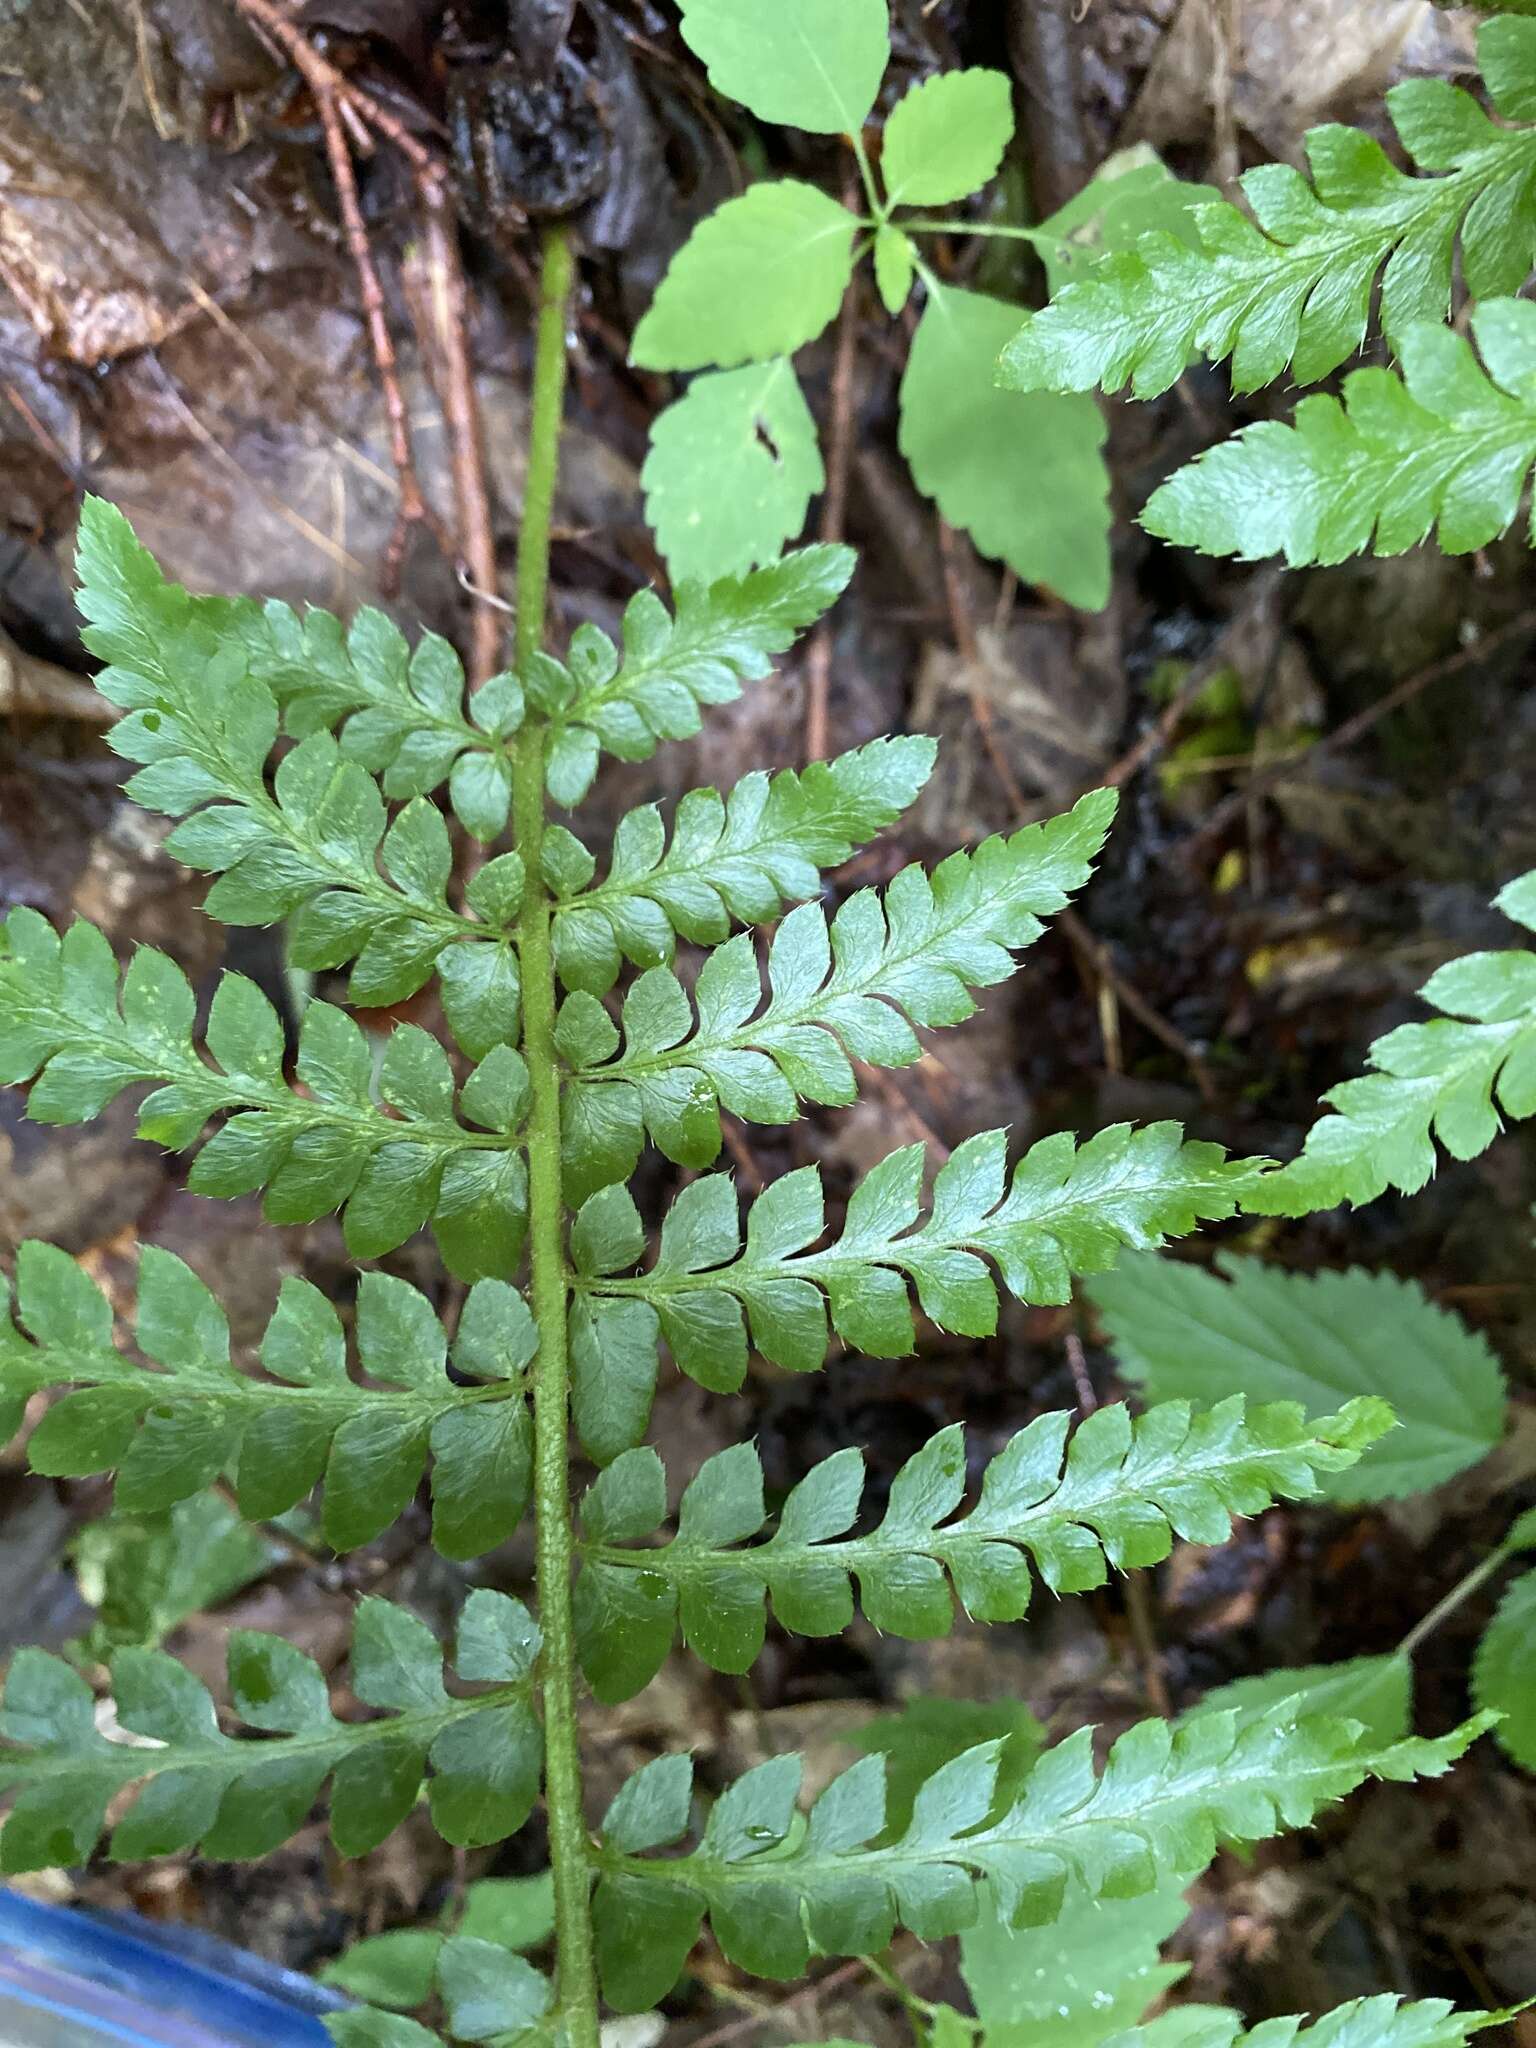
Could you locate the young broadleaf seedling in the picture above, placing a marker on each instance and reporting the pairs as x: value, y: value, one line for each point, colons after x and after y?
x: 734, y: 462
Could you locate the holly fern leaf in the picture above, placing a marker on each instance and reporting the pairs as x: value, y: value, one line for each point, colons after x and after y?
x: 1452, y: 1079
x: 488, y: 1994
x: 1446, y: 447
x: 852, y: 986
x: 1066, y: 1208
x: 1116, y: 1496
x: 242, y: 1798
x: 1296, y: 289
x: 1380, y: 2022
x: 777, y: 1888
x: 170, y: 1431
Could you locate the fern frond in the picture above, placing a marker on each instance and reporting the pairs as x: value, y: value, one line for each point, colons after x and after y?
x: 1115, y: 1496
x: 742, y: 857
x: 488, y: 1992
x: 364, y: 2026
x: 1447, y: 1080
x: 395, y: 709
x: 889, y: 961
x: 600, y: 699
x: 308, y: 849
x: 241, y: 1798
x: 1296, y: 289
x: 1066, y: 1209
x: 1382, y: 2022
x: 774, y: 1889
x: 64, y: 1020
x: 399, y: 710
x: 170, y: 1432
x: 1444, y: 448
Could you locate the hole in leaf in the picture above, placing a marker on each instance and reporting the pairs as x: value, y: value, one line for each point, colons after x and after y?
x: 765, y: 440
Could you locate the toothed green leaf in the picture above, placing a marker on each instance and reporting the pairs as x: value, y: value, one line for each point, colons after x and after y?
x: 758, y: 277
x: 732, y: 468
x: 1504, y: 1670
x: 1319, y: 1339
x: 1132, y: 193
x: 946, y: 136
x: 1022, y: 473
x: 1376, y: 1691
x: 800, y: 65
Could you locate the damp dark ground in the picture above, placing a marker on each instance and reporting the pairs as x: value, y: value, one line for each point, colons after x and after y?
x: 182, y: 332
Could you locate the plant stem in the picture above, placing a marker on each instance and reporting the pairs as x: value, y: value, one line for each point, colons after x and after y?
x: 1003, y: 229
x: 543, y: 446
x: 1462, y: 1590
x: 877, y: 205
x: 576, y: 1976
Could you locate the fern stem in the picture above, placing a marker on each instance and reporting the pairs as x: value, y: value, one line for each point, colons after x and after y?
x: 543, y: 445
x: 577, y: 1982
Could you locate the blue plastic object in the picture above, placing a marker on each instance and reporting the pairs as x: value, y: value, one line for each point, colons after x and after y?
x: 82, y: 1979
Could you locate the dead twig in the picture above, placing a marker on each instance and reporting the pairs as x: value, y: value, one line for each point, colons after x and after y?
x: 322, y: 77
x: 746, y: 1162
x: 1087, y: 947
x: 461, y: 415
x: 1138, y: 1612
x: 896, y: 1099
x: 1098, y: 955
x: 1225, y: 43
x: 412, y: 509
x: 834, y: 505
x: 450, y: 308
x: 41, y: 689
x: 963, y: 626
x: 40, y: 434
x: 1345, y: 735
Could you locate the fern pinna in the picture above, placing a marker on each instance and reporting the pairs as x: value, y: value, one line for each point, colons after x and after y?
x: 1441, y: 446
x: 513, y: 1147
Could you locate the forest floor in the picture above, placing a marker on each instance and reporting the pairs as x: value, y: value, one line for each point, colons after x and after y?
x: 1325, y: 778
